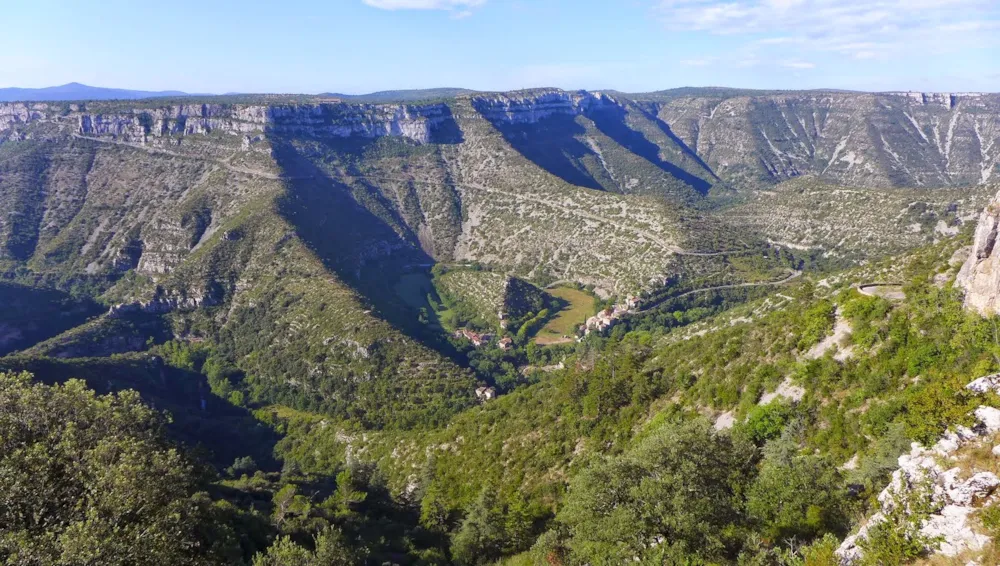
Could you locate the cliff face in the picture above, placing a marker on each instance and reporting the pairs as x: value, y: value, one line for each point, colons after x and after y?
x: 418, y: 123
x: 532, y: 106
x: 858, y: 139
x: 877, y: 140
x: 458, y: 178
x: 18, y: 114
x: 980, y: 274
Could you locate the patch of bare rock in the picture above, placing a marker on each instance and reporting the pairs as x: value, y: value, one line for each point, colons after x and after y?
x: 787, y: 390
x: 980, y: 274
x: 955, y: 494
x: 841, y: 330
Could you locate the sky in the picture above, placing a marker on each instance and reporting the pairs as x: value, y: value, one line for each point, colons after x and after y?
x: 357, y: 46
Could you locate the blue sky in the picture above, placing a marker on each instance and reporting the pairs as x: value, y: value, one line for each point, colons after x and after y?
x: 358, y: 46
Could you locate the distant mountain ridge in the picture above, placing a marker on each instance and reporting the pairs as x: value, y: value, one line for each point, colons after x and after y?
x: 77, y: 91
x: 411, y: 95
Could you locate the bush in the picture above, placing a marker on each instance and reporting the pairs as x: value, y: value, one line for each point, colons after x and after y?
x: 92, y: 480
x: 675, y: 489
x: 765, y: 422
x: 243, y: 465
x: 897, y: 539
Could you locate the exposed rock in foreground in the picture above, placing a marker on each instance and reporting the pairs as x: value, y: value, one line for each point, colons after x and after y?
x: 980, y: 275
x: 954, y: 494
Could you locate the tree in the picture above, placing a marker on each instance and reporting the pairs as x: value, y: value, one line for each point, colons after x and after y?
x: 91, y: 480
x: 493, y: 528
x: 482, y: 536
x: 348, y: 496
x: 330, y: 550
x: 796, y: 495
x: 765, y: 422
x: 244, y: 465
x: 674, y: 493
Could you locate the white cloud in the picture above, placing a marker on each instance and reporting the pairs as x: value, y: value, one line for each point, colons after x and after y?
x: 851, y: 29
x: 425, y: 4
x: 973, y: 25
x: 782, y: 40
x: 815, y: 17
x: 784, y: 4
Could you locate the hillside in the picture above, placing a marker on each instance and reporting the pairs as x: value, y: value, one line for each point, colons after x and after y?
x: 897, y: 374
x: 313, y: 204
x: 287, y: 274
x: 857, y: 139
x: 851, y: 223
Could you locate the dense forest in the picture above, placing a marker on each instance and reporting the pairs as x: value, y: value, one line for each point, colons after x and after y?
x: 613, y: 455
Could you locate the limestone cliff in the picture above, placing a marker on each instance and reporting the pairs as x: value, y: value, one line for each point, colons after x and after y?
x: 980, y: 275
x: 529, y: 107
x: 747, y: 139
x: 416, y: 122
x: 859, y: 139
x: 140, y: 125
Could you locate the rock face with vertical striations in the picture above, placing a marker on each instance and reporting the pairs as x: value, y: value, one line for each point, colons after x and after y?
x: 980, y: 275
x: 860, y: 139
x: 417, y: 123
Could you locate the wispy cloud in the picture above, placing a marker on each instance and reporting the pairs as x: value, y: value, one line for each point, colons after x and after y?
x: 970, y: 25
x: 461, y: 5
x: 815, y: 17
x: 856, y: 29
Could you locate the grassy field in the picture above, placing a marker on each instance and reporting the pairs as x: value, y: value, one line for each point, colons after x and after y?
x: 562, y: 328
x: 416, y: 290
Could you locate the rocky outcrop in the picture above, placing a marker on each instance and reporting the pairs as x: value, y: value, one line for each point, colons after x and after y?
x: 859, y: 139
x: 162, y: 305
x: 13, y: 113
x: 980, y: 274
x: 528, y: 107
x: 417, y: 123
x: 953, y: 500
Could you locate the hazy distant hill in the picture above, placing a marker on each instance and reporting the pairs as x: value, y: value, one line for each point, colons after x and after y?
x: 77, y: 91
x: 402, y: 95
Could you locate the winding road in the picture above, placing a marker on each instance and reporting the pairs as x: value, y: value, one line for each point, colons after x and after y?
x: 894, y: 294
x: 672, y: 248
x: 792, y: 275
x: 219, y: 162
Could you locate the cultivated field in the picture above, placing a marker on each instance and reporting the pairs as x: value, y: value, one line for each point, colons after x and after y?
x: 562, y: 328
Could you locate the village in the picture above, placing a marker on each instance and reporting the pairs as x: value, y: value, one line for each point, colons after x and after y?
x: 480, y: 339
x: 600, y: 322
x: 608, y: 317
